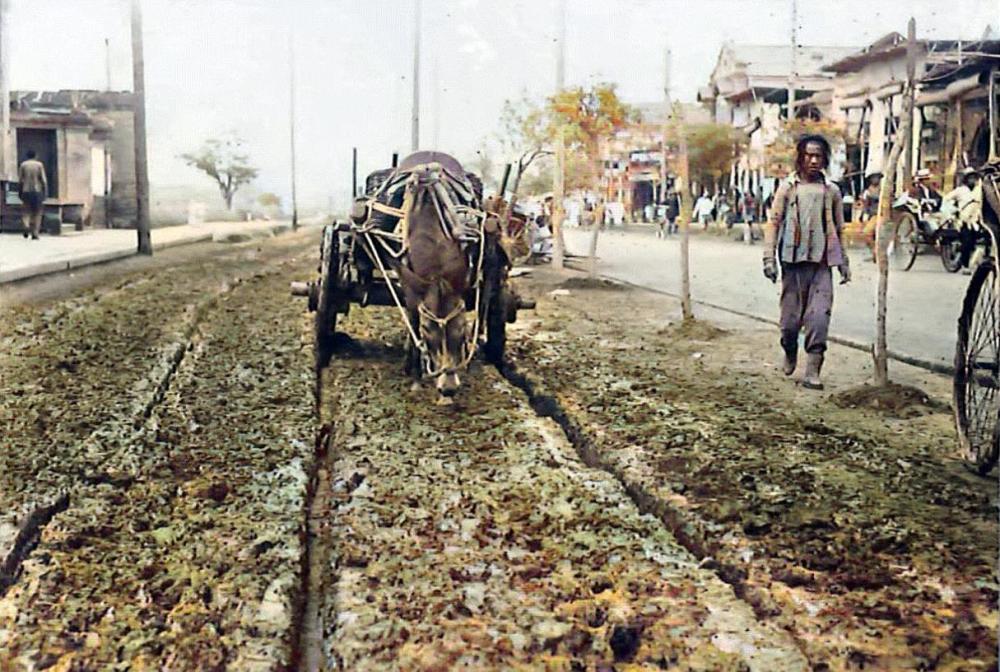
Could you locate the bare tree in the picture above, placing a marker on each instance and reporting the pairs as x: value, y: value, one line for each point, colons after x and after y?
x: 225, y: 161
x: 887, y: 191
x: 524, y: 133
x: 684, y: 194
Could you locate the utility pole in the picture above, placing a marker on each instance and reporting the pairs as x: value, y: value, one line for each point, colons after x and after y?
x: 911, y: 87
x: 354, y: 174
x: 436, y: 112
x: 7, y: 159
x: 794, y: 72
x: 139, y: 128
x: 107, y: 64
x: 559, y: 181
x: 291, y: 124
x: 415, y: 120
x: 666, y: 127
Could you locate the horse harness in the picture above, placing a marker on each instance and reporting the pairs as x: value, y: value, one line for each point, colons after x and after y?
x: 458, y: 221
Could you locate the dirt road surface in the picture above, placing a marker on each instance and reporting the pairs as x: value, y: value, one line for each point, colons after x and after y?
x: 623, y: 495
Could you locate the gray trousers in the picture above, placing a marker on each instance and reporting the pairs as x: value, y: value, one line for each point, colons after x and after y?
x: 806, y: 303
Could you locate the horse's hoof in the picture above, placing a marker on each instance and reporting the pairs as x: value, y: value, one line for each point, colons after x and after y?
x: 445, y: 401
x: 415, y: 387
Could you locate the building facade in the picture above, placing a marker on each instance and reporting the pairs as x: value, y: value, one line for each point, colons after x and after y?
x: 85, y: 139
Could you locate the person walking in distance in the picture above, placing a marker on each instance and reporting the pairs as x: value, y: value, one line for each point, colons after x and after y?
x: 802, y: 234
x: 33, y: 191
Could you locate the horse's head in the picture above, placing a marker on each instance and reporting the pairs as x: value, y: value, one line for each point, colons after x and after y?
x: 441, y: 326
x: 445, y: 334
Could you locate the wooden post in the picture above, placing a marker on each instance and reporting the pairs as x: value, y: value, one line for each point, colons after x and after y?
x: 909, y: 96
x: 793, y: 74
x: 886, y: 194
x: 559, y: 179
x: 8, y: 161
x: 291, y: 125
x: 684, y: 193
x: 354, y: 173
x: 558, y: 251
x: 139, y: 126
x: 415, y: 114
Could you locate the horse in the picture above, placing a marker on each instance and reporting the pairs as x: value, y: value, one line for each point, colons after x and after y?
x: 435, y: 275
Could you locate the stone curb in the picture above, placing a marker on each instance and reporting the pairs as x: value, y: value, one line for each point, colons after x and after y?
x: 92, y: 258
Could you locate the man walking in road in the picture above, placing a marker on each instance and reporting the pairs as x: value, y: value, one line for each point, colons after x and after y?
x: 33, y: 191
x: 802, y: 233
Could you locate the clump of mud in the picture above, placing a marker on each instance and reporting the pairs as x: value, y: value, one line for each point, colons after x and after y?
x: 901, y: 401
x: 693, y: 330
x: 593, y: 283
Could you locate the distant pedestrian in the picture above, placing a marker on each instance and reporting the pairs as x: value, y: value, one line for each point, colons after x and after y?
x: 33, y: 189
x: 673, y: 210
x: 599, y: 214
x: 802, y: 233
x: 703, y: 210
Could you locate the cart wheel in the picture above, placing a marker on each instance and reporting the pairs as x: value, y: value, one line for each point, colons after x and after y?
x: 326, y: 305
x: 494, y: 266
x: 977, y: 368
x: 906, y: 243
x: 951, y: 255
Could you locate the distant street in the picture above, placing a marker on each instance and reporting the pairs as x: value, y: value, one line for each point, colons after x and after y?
x: 924, y: 303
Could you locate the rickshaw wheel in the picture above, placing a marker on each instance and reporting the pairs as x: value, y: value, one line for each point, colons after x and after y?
x: 906, y: 242
x: 326, y: 308
x: 977, y: 372
x: 951, y: 255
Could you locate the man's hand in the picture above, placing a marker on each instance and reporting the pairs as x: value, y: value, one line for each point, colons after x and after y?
x: 845, y: 273
x: 770, y: 269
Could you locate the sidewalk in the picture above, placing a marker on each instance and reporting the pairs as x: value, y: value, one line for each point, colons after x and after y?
x: 924, y: 303
x: 22, y: 258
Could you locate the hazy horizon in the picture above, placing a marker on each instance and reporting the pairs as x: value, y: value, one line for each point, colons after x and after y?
x: 214, y: 66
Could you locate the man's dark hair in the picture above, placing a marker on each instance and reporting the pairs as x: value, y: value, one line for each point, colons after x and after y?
x: 31, y: 154
x: 800, y: 147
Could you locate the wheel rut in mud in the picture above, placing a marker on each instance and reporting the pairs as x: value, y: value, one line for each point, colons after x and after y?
x: 687, y: 531
x: 476, y: 536
x: 182, y: 504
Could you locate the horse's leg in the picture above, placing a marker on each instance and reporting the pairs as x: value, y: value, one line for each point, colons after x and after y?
x: 413, y: 363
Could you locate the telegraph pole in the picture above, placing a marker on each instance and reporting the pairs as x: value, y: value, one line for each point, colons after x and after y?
x: 291, y: 124
x: 666, y: 127
x: 911, y: 86
x: 107, y: 64
x: 139, y: 128
x: 793, y: 74
x: 7, y: 160
x: 415, y: 120
x: 436, y: 92
x: 559, y: 181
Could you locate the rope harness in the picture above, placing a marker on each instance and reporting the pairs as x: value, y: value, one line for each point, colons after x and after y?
x: 458, y: 222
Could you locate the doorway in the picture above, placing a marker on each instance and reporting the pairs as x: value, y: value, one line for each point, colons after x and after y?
x: 43, y: 142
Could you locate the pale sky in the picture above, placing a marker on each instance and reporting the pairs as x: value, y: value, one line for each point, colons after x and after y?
x: 214, y: 66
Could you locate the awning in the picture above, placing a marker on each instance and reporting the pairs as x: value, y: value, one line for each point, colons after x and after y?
x: 957, y: 88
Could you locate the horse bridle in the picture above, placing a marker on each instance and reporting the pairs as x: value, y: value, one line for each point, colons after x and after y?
x: 426, y: 313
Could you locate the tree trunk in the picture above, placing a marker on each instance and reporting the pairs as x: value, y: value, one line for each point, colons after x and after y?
x: 598, y: 218
x: 886, y: 228
x: 684, y: 193
x: 592, y: 252
x: 558, y: 245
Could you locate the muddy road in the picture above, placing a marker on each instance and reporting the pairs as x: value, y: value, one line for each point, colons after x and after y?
x: 623, y: 495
